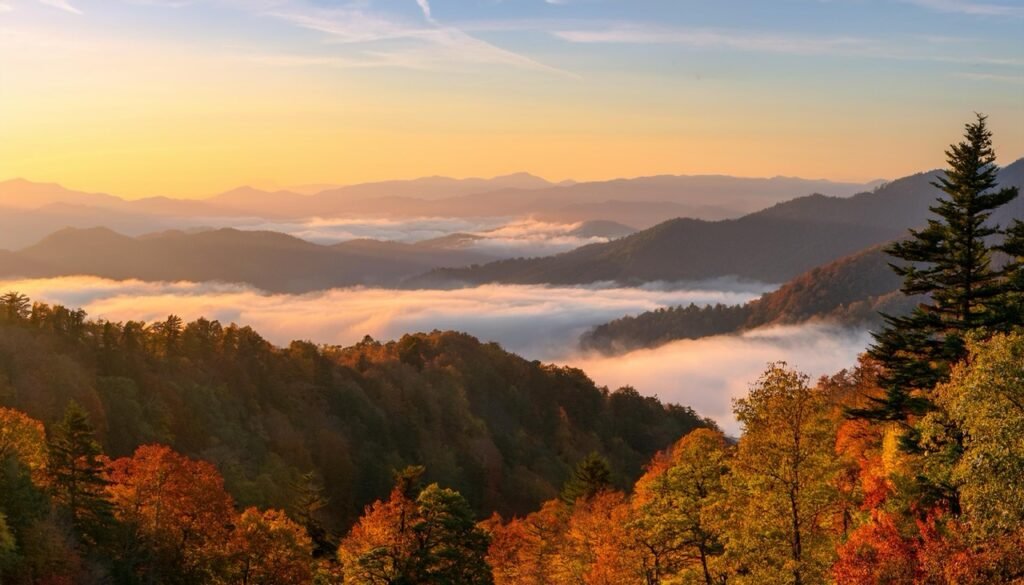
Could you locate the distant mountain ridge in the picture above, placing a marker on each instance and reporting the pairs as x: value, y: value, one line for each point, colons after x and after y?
x: 772, y: 245
x: 271, y: 261
x: 29, y: 211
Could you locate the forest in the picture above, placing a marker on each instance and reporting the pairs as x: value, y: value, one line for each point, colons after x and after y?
x: 854, y: 291
x: 199, y: 453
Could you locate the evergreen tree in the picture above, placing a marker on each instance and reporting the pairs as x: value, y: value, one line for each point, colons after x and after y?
x: 308, y: 502
x: 592, y: 476
x: 78, y: 472
x: 1011, y: 306
x: 450, y: 549
x: 14, y: 306
x: 950, y: 262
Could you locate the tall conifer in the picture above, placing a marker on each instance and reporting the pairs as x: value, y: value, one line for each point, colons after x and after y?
x: 948, y: 261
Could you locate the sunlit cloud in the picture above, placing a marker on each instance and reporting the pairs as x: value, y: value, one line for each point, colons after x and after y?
x: 501, y: 237
x: 707, y: 374
x: 708, y: 38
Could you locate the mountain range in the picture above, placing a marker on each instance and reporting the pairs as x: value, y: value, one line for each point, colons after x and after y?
x: 30, y: 211
x: 771, y: 245
x: 268, y: 260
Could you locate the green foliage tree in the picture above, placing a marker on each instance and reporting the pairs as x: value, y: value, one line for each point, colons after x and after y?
x: 782, y: 495
x: 985, y: 399
x: 78, y: 472
x: 450, y: 548
x: 308, y: 504
x: 591, y: 476
x: 1011, y: 305
x: 675, y: 505
x: 950, y: 261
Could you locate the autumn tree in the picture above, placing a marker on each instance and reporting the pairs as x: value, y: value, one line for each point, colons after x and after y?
x: 985, y: 399
x: 674, y: 507
x: 432, y: 539
x: 176, y: 516
x: 78, y: 472
x: 23, y: 438
x: 597, y: 548
x: 22, y: 474
x: 528, y: 551
x: 781, y: 523
x: 268, y: 548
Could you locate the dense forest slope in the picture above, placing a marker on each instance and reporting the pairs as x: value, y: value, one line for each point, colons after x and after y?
x: 271, y: 261
x: 502, y: 430
x: 850, y: 290
x: 773, y: 245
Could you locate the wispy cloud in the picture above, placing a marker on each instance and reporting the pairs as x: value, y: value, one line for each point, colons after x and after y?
x: 61, y: 5
x: 938, y: 49
x: 425, y: 7
x: 709, y: 38
x: 1015, y: 79
x: 438, y: 45
x: 971, y: 7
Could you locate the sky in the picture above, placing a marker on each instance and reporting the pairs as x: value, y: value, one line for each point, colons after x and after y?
x: 187, y: 98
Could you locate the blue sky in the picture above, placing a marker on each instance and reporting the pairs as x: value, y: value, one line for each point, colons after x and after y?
x: 847, y: 89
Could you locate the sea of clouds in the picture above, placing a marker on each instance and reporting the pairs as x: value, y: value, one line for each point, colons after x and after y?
x: 537, y: 322
x: 499, y: 237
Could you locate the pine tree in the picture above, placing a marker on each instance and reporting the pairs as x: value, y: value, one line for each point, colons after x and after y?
x: 950, y: 262
x: 78, y: 472
x: 308, y: 502
x: 591, y: 477
x: 1011, y: 306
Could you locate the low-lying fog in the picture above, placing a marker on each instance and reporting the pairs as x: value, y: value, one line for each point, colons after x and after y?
x: 537, y: 322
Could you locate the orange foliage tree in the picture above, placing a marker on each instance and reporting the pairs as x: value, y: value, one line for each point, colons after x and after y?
x: 176, y: 510
x: 268, y: 548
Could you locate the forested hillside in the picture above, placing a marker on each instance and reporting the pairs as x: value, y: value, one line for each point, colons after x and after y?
x: 850, y: 291
x: 503, y: 430
x: 773, y: 245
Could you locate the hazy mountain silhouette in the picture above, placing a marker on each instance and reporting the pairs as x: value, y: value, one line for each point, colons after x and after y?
x: 22, y: 194
x: 641, y: 202
x: 772, y: 245
x: 267, y: 260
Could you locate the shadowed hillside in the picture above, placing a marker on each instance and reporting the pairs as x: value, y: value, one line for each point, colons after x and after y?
x: 502, y: 429
x: 850, y: 290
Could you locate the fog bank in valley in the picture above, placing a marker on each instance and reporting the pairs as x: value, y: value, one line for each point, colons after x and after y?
x: 707, y: 374
x: 540, y: 322
x: 537, y: 322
